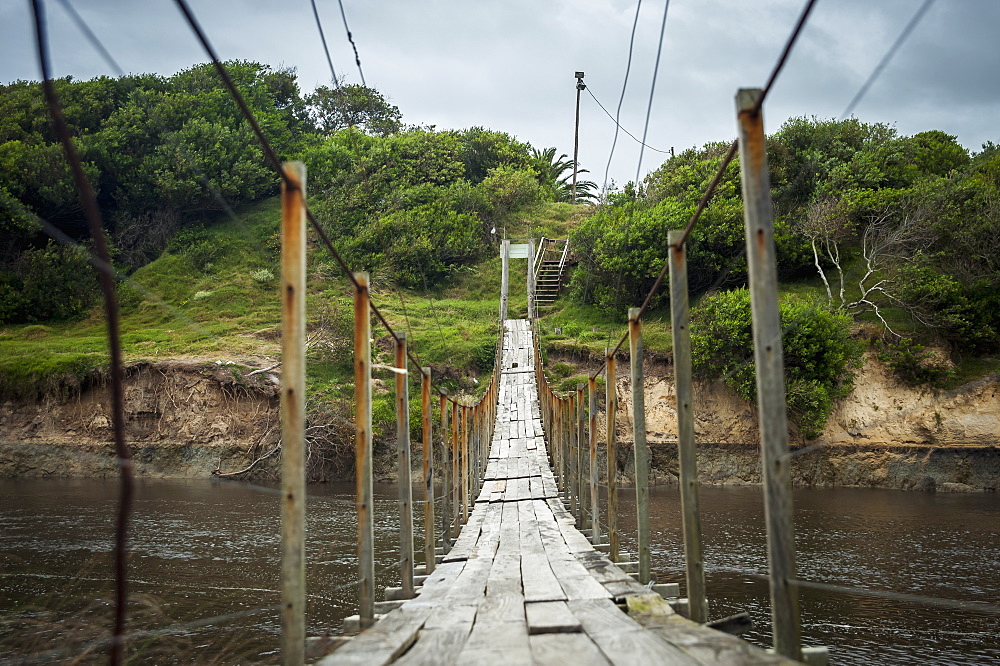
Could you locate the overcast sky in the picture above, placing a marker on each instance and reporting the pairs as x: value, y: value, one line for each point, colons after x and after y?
x: 509, y: 64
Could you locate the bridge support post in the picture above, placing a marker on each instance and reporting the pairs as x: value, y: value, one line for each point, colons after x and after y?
x: 446, y: 510
x: 686, y: 451
x: 504, y: 278
x: 465, y: 464
x: 403, y: 467
x: 427, y: 436
x: 595, y: 509
x: 581, y: 476
x: 531, y: 279
x: 455, y: 471
x: 363, y: 451
x: 639, y: 443
x: 762, y: 265
x: 611, y: 412
x: 293, y: 414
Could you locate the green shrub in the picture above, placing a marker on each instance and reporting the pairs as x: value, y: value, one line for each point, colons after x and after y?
x: 263, y: 276
x: 819, y: 353
x: 58, y: 282
x: 912, y: 364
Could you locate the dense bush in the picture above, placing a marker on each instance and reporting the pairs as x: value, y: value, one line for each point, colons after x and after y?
x: 912, y: 364
x: 819, y: 353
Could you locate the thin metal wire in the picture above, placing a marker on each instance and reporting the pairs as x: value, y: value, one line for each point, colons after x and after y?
x: 652, y: 90
x: 93, y: 216
x: 619, y: 127
x: 350, y: 38
x: 887, y: 57
x: 326, y: 49
x: 621, y: 98
x: 778, y: 66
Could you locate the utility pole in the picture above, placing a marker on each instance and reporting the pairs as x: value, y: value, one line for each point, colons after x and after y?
x: 580, y: 87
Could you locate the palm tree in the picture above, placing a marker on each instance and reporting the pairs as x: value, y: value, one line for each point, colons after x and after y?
x: 557, y: 174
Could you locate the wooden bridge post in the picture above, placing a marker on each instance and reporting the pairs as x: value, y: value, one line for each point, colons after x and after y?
x: 293, y: 414
x: 574, y: 471
x: 363, y: 450
x: 447, y: 515
x: 425, y: 413
x: 531, y: 279
x: 456, y: 474
x: 639, y: 443
x: 504, y: 278
x: 686, y: 451
x: 595, y: 512
x: 762, y: 265
x: 465, y: 464
x: 403, y: 467
x: 611, y: 411
x: 581, y: 476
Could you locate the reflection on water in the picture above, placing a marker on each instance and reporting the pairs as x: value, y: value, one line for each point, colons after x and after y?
x: 205, y: 563
x: 199, y: 550
x: 944, y: 546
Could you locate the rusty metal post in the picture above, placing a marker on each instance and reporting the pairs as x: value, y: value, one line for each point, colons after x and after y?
x: 403, y: 467
x: 293, y: 414
x: 762, y: 265
x: 611, y: 412
x: 639, y: 443
x: 428, y: 442
x: 686, y: 451
x: 363, y: 450
x: 447, y: 515
x: 595, y: 509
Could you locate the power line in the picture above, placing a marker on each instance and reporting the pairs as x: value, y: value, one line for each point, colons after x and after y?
x: 652, y: 89
x: 621, y: 98
x: 887, y: 57
x: 619, y: 127
x: 326, y: 49
x: 350, y: 38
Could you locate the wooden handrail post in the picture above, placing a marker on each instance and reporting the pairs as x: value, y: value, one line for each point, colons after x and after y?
x: 686, y: 451
x: 465, y: 464
x: 531, y: 279
x: 428, y: 441
x: 403, y: 467
x: 446, y: 507
x: 611, y: 412
x: 581, y: 476
x: 763, y: 274
x: 363, y: 450
x: 639, y: 443
x: 504, y: 278
x: 455, y: 471
x: 595, y: 512
x: 293, y: 414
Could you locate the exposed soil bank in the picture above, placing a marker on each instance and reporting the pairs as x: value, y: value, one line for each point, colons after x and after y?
x: 191, y: 419
x: 184, y: 419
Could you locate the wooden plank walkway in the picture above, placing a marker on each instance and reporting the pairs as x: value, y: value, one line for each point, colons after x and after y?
x: 522, y: 585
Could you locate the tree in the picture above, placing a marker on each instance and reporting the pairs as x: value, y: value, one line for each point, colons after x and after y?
x: 353, y: 105
x: 556, y: 173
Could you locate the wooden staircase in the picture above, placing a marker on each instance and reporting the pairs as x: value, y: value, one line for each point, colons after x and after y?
x: 550, y: 269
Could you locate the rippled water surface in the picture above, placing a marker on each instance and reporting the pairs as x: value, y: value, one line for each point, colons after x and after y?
x: 205, y: 562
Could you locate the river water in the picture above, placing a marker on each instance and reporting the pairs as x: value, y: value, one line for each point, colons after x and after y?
x: 205, y: 559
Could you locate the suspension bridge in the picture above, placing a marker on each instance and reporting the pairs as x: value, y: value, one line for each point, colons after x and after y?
x: 521, y: 584
x: 515, y: 568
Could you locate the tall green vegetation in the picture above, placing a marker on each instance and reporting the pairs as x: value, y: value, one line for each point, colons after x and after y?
x: 166, y: 153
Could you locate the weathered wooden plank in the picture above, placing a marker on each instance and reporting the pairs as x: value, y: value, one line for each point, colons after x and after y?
x: 550, y: 617
x: 501, y: 609
x: 436, y: 646
x: 384, y: 641
x: 635, y: 647
x: 561, y: 649
x: 601, y: 616
x: 540, y: 583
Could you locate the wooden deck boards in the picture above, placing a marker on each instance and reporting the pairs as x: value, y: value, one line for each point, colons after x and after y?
x: 521, y: 584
